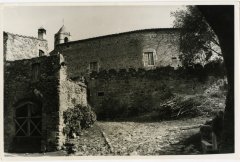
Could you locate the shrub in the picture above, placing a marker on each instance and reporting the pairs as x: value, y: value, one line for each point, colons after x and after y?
x: 223, y: 86
x: 166, y: 94
x: 179, y: 107
x: 77, y: 118
x: 217, y: 94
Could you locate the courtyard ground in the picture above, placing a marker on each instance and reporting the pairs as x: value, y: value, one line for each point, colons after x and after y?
x: 154, y: 138
x: 136, y: 138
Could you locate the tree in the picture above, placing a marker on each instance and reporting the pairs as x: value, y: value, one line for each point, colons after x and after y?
x: 198, y: 40
x: 221, y: 19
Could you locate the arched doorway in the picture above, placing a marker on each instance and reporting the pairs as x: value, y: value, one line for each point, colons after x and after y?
x: 28, y: 127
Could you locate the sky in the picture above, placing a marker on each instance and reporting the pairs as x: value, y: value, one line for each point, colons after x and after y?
x: 85, y: 21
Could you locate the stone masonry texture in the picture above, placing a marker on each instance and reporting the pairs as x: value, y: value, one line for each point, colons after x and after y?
x: 18, y: 47
x: 52, y: 87
x: 121, y: 51
x: 135, y: 86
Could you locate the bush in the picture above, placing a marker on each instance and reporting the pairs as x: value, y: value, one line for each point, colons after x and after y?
x: 77, y: 118
x: 216, y: 94
x: 164, y: 94
x: 179, y: 107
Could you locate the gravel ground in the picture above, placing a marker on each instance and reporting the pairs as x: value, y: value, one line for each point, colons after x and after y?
x: 134, y: 138
x: 92, y: 142
x: 157, y: 138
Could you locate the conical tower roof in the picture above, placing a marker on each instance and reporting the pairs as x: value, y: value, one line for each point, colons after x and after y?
x: 62, y: 30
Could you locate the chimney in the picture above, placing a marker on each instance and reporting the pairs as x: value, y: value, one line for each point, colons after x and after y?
x: 42, y: 33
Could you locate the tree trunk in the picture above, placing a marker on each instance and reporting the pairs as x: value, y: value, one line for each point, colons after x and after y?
x: 221, y: 19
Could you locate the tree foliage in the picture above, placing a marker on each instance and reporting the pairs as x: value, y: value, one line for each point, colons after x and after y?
x: 198, y: 41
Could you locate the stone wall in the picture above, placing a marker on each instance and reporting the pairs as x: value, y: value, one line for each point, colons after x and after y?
x: 134, y: 86
x: 121, y: 51
x: 19, y: 87
x: 18, y: 47
x: 71, y: 93
x: 49, y: 91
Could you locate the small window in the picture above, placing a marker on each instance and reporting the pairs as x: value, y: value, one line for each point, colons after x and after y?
x: 65, y: 39
x: 149, y: 58
x: 100, y: 94
x: 41, y: 53
x: 174, y: 58
x: 35, y: 71
x: 93, y: 66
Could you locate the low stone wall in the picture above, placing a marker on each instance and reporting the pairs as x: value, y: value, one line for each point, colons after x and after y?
x: 133, y: 87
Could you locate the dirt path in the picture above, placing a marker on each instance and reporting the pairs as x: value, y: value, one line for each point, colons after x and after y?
x: 92, y: 142
x: 158, y: 138
x: 134, y: 138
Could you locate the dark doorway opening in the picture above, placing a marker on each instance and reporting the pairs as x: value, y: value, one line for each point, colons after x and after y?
x: 65, y: 39
x: 28, y: 127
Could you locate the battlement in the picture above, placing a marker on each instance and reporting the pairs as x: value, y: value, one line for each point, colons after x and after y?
x: 23, y: 36
x: 157, y: 73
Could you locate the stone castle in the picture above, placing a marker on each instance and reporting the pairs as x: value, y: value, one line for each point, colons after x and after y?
x: 40, y: 85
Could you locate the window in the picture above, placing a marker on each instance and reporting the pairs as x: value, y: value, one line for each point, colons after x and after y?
x: 100, y: 94
x: 148, y: 57
x: 41, y: 53
x: 35, y: 71
x: 65, y: 39
x: 93, y: 66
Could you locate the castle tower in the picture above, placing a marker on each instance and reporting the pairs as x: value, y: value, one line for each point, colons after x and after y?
x: 62, y: 36
x: 42, y: 33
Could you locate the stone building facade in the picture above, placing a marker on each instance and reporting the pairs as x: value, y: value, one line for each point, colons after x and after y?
x: 149, y: 48
x: 36, y: 93
x: 18, y: 47
x: 114, y: 58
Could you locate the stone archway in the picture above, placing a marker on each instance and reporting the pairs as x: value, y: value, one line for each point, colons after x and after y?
x: 28, y: 127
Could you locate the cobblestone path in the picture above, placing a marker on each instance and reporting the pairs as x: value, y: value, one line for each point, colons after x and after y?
x: 157, y: 138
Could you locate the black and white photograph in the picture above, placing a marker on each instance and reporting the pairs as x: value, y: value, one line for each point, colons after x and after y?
x: 118, y: 80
